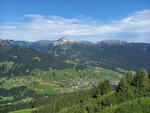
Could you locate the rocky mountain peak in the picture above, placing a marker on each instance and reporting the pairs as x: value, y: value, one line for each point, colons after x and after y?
x: 113, y: 42
x: 63, y: 40
x: 4, y: 42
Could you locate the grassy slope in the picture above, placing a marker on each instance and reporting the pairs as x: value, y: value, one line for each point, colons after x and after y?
x: 23, y: 111
x: 10, y: 98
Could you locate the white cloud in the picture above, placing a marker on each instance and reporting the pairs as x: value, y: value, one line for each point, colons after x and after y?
x: 135, y: 27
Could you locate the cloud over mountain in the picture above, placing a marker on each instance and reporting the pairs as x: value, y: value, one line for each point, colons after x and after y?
x: 134, y: 27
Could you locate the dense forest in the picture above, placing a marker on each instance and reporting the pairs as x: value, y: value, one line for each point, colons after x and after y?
x: 131, y: 95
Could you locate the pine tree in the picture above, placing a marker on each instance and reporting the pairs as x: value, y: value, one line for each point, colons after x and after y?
x: 122, y: 86
x: 141, y: 79
x: 129, y: 78
x: 103, y: 87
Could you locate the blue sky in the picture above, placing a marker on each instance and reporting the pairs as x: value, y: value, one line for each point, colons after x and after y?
x: 91, y: 20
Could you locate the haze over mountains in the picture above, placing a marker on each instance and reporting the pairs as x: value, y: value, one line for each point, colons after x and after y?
x: 110, y: 54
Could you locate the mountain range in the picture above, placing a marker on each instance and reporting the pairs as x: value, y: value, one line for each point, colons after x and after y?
x: 41, y: 75
x: 109, y: 54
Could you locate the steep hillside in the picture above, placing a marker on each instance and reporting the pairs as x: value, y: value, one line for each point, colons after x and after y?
x: 15, y: 60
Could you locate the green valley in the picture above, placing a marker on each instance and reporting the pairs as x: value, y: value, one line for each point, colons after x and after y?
x: 131, y: 95
x: 60, y: 81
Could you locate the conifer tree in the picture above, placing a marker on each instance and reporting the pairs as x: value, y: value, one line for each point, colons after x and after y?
x: 122, y: 86
x: 141, y: 79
